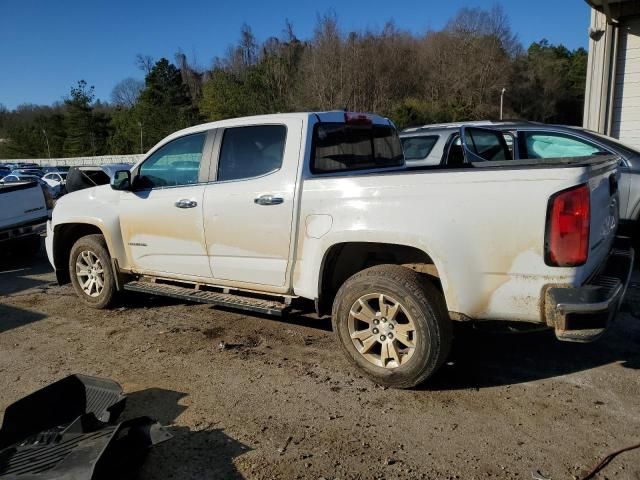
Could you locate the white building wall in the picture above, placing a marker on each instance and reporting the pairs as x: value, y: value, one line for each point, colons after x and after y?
x: 625, y: 123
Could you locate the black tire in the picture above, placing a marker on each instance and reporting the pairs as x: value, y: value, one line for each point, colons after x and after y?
x: 98, y: 247
x: 421, y: 300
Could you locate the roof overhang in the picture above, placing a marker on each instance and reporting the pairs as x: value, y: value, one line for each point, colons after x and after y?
x: 614, y: 10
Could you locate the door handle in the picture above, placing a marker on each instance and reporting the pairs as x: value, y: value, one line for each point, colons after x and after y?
x: 186, y: 203
x: 268, y: 200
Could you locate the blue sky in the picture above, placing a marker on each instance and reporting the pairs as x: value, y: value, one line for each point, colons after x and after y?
x: 47, y: 45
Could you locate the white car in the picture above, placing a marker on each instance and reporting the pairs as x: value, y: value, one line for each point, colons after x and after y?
x: 55, y: 179
x: 316, y: 211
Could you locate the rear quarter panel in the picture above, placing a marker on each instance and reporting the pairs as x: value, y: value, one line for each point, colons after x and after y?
x: 484, y: 230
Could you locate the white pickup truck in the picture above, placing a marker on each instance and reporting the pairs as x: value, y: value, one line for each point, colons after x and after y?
x: 24, y: 212
x: 316, y: 210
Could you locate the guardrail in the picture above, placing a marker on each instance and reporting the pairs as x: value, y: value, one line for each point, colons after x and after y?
x: 76, y: 161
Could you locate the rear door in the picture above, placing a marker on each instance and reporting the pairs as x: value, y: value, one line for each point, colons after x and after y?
x: 248, y: 209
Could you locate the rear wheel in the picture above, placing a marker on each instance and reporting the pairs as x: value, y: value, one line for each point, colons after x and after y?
x: 91, y: 273
x: 393, y: 325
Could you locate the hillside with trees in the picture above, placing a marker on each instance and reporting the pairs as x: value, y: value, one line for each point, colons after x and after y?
x: 453, y: 74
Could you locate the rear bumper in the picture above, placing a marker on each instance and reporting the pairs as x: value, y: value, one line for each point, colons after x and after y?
x: 582, y: 314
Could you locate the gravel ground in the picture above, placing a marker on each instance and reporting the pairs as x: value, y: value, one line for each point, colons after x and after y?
x: 255, y: 397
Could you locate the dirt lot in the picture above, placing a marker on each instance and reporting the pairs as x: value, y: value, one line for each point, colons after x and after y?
x: 280, y: 401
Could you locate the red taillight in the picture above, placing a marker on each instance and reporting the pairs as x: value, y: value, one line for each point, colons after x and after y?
x: 568, y: 218
x: 357, y: 118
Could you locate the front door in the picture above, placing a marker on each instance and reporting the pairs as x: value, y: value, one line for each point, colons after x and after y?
x: 248, y: 211
x: 161, y: 218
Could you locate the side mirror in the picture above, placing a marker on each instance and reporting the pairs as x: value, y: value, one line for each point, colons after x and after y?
x: 121, y: 180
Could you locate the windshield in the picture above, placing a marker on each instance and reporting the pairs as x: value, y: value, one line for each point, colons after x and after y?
x: 342, y: 147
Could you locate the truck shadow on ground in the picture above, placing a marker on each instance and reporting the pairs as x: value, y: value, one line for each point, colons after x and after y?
x: 206, y: 453
x: 12, y: 317
x: 480, y: 360
x: 15, y: 273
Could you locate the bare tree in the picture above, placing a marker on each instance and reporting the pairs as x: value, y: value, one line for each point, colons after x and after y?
x: 126, y: 92
x: 145, y: 63
x: 191, y: 77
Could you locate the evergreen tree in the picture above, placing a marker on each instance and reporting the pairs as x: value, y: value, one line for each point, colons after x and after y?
x: 78, y: 121
x: 164, y: 105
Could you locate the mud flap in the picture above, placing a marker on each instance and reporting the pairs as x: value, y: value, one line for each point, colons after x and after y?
x: 68, y: 430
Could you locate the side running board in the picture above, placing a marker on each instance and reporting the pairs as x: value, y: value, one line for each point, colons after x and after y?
x: 229, y: 300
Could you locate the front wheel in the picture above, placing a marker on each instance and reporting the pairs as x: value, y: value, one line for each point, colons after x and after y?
x: 393, y: 325
x: 91, y: 273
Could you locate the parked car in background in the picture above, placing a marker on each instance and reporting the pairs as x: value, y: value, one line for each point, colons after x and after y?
x: 23, y: 216
x: 439, y: 145
x: 53, y: 192
x: 79, y: 178
x: 51, y: 169
x: 55, y: 179
x: 28, y: 171
x: 17, y: 178
x: 317, y: 211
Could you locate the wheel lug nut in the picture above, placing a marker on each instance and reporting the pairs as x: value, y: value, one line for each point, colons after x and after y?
x: 376, y: 321
x: 391, y: 325
x: 384, y: 319
x: 382, y: 338
x: 375, y: 331
x: 390, y: 335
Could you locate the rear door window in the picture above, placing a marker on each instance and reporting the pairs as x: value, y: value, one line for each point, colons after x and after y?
x: 556, y: 145
x: 417, y: 148
x: 340, y: 147
x: 249, y: 152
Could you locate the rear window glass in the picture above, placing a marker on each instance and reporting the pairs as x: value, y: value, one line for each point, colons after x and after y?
x: 417, y: 148
x: 340, y: 147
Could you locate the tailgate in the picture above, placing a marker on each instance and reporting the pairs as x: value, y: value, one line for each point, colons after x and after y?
x: 603, y: 184
x: 21, y: 203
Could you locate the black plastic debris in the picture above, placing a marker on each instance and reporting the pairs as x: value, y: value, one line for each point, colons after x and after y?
x: 68, y: 430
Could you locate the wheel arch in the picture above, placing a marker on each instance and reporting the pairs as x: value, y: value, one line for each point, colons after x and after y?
x: 65, y: 236
x: 344, y: 259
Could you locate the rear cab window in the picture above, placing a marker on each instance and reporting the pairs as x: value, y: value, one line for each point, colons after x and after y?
x: 343, y: 147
